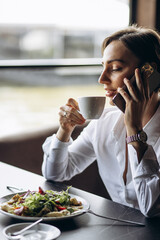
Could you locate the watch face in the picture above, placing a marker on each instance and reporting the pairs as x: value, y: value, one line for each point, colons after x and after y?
x: 143, y: 136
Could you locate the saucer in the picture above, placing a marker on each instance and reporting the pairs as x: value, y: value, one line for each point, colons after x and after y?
x: 39, y: 232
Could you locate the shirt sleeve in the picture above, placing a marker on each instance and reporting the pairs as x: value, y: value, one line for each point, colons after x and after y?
x: 146, y: 179
x: 63, y: 160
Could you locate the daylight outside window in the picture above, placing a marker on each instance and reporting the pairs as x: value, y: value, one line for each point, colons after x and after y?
x: 51, y: 30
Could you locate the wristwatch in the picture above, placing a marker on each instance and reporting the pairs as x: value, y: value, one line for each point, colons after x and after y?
x: 140, y: 137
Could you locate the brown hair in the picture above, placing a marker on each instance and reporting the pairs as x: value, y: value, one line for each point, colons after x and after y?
x: 143, y: 42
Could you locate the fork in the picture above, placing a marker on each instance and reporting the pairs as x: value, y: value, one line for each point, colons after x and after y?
x: 112, y: 218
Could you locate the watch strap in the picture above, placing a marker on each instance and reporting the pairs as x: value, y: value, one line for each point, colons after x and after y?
x: 140, y: 137
x: 133, y: 138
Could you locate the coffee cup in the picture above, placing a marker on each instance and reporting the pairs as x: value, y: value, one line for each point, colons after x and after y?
x: 91, y: 107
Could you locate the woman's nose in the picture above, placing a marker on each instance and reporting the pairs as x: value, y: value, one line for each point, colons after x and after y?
x: 103, y: 78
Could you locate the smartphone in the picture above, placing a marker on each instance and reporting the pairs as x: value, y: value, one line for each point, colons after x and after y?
x: 147, y: 72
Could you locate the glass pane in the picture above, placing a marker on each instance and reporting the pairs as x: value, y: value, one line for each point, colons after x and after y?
x: 58, y: 28
x: 30, y: 98
x: 52, y: 29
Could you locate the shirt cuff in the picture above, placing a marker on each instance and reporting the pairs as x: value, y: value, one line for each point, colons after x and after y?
x: 57, y: 144
x: 148, y: 165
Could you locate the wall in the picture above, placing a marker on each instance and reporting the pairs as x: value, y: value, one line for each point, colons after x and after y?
x: 25, y: 151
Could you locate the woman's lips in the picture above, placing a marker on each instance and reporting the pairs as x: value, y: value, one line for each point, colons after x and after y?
x: 110, y: 93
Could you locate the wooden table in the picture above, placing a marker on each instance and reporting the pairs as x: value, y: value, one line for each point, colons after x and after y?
x: 86, y: 226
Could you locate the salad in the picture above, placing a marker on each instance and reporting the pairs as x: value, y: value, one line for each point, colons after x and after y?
x: 41, y: 203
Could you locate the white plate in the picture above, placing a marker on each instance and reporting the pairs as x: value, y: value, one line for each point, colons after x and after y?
x: 40, y: 231
x: 6, y: 198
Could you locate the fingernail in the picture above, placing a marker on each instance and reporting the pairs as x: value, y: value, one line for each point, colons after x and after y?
x: 125, y: 80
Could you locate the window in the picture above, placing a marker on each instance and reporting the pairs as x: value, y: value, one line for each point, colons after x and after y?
x: 47, y: 32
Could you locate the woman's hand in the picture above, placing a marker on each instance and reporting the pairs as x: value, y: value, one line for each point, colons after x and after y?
x: 136, y: 102
x: 140, y: 107
x: 69, y: 117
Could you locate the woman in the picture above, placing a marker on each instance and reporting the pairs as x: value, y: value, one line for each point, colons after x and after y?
x: 128, y: 163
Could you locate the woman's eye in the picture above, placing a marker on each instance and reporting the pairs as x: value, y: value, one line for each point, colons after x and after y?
x: 116, y: 69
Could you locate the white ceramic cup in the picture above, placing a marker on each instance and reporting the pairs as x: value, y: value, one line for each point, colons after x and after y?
x: 91, y: 107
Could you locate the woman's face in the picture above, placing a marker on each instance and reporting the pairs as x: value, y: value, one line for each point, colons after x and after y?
x: 118, y: 62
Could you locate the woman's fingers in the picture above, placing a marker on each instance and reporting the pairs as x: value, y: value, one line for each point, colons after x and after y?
x: 138, y: 91
x: 124, y: 94
x: 73, y: 113
x: 146, y: 87
x: 69, y: 117
x: 74, y: 110
x: 131, y: 89
x: 131, y: 94
x: 73, y: 102
x: 70, y: 114
x: 139, y: 82
x: 142, y: 85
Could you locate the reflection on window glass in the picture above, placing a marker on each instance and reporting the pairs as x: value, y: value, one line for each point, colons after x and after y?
x: 58, y: 28
x: 51, y: 29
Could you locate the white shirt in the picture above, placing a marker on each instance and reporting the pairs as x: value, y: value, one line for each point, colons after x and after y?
x: 104, y: 140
